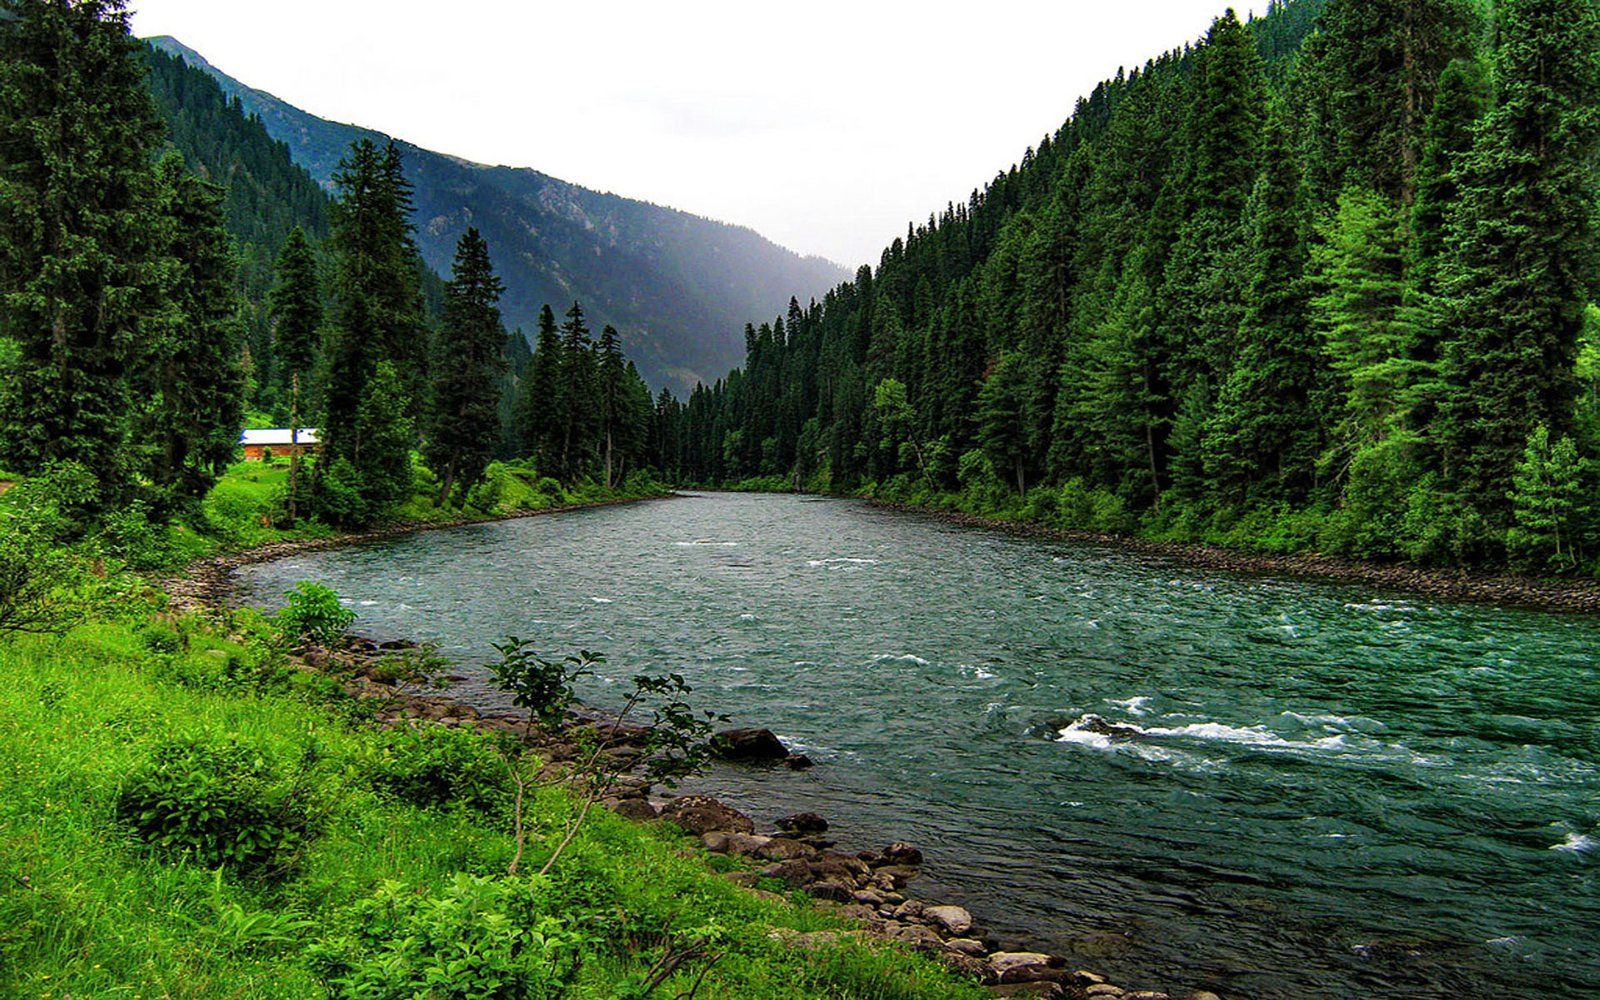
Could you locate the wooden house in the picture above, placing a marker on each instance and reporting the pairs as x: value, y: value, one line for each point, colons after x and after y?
x: 256, y: 443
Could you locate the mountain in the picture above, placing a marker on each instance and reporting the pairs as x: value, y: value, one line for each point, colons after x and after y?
x: 679, y: 288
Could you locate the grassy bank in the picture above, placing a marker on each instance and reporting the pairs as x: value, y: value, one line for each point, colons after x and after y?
x: 246, y: 509
x: 184, y: 814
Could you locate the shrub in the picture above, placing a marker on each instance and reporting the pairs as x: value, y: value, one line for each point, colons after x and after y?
x: 438, y: 766
x: 220, y: 801
x: 314, y: 614
x: 543, y: 687
x: 476, y: 938
x: 339, y: 495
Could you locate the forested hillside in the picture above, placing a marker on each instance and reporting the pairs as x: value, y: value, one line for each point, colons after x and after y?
x: 677, y: 287
x: 265, y: 195
x: 1320, y: 282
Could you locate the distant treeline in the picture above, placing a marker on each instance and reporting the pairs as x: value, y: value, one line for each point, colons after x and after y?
x: 1322, y: 281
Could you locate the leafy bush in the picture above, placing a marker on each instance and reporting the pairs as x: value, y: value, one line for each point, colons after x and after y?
x: 220, y: 801
x: 339, y: 497
x: 130, y: 536
x: 476, y: 938
x: 314, y: 614
x: 436, y: 766
x: 39, y: 578
x: 543, y: 687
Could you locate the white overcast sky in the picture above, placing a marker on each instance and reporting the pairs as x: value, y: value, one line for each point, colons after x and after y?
x: 826, y: 125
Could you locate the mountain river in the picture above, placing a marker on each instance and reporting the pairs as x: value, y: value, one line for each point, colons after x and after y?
x: 1263, y: 786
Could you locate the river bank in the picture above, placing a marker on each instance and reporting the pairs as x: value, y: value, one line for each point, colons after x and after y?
x: 1469, y: 586
x: 867, y: 886
x: 954, y: 697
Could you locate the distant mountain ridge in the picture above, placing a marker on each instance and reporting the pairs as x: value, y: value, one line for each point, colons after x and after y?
x: 679, y: 288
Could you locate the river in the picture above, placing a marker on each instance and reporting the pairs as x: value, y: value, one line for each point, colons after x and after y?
x: 1266, y: 787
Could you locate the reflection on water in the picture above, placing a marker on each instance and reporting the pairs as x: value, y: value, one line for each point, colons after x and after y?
x: 1263, y: 787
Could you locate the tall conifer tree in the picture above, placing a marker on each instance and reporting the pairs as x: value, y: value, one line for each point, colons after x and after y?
x: 464, y: 423
x: 296, y: 310
x: 1523, y: 253
x: 378, y: 317
x: 539, y: 405
x: 187, y: 372
x: 76, y: 129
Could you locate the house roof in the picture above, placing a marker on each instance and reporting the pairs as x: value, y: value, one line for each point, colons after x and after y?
x: 277, y: 436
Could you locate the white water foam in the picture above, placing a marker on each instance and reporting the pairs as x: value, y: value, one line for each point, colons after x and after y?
x: 1138, y: 705
x: 1094, y: 731
x: 706, y: 541
x: 981, y: 673
x: 1084, y: 737
x: 910, y: 658
x: 1576, y: 843
x: 840, y: 561
x: 1379, y: 607
x: 602, y: 600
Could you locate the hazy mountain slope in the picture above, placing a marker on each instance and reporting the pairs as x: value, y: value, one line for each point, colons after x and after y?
x: 679, y: 287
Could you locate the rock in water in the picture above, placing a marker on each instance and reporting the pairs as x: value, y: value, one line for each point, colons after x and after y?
x: 749, y: 744
x: 806, y: 822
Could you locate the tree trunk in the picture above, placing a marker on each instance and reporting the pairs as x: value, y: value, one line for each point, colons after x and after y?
x: 610, y: 482
x: 1150, y: 448
x: 294, y: 444
x: 449, y: 479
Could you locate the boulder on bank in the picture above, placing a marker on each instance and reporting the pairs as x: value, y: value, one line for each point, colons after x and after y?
x: 955, y: 920
x: 701, y: 814
x: 749, y: 745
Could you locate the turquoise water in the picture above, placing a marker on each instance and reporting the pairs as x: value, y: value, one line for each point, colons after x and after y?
x: 1265, y: 787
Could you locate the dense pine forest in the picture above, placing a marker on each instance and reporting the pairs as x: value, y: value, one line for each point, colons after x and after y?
x: 1320, y: 282
x: 169, y: 275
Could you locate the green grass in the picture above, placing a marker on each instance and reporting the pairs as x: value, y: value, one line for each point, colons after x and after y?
x: 89, y: 910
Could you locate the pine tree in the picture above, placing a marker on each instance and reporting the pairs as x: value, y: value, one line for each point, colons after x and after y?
x: 1203, y: 290
x: 579, y: 381
x: 378, y: 317
x: 464, y: 423
x: 187, y: 373
x: 1547, y: 505
x: 539, y: 405
x: 1002, y: 430
x: 1376, y: 66
x: 76, y: 129
x: 296, y: 311
x: 1523, y: 249
x: 1263, y: 437
x: 387, y: 432
x: 1364, y: 315
x: 614, y: 401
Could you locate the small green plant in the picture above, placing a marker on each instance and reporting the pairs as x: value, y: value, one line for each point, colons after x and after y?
x: 543, y: 687
x: 220, y: 801
x: 234, y: 930
x: 314, y: 614
x: 436, y: 766
x: 476, y: 938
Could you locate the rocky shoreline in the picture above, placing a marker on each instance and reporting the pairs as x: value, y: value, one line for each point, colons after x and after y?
x: 1474, y: 587
x: 869, y: 887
